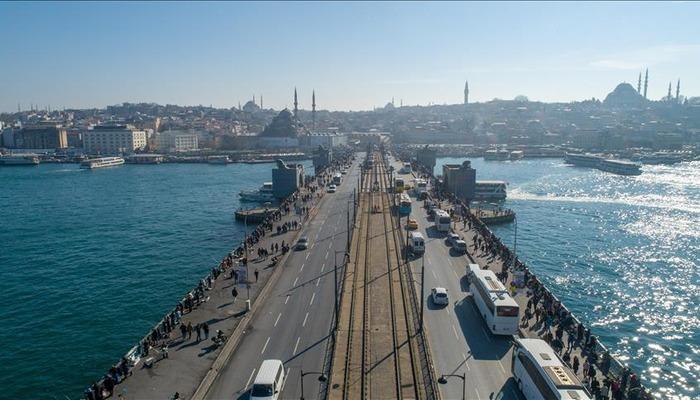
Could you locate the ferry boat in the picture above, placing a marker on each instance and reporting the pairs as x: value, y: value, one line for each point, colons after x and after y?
x: 516, y: 155
x: 620, y: 167
x: 661, y: 158
x: 496, y: 155
x: 145, y: 159
x: 490, y: 191
x: 583, y: 160
x: 19, y: 159
x: 222, y: 160
x: 262, y: 195
x: 101, y: 162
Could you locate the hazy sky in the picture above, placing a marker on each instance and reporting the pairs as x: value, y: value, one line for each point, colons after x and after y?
x: 356, y: 55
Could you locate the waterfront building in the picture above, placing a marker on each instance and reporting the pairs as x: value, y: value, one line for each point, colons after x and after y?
x: 460, y: 179
x: 113, y: 139
x: 40, y: 136
x: 176, y: 141
x: 287, y: 179
x: 427, y: 158
x: 328, y: 140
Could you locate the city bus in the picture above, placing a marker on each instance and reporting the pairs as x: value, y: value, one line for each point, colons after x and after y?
x: 404, y: 204
x: 421, y: 187
x: 337, y: 178
x: 541, y: 375
x: 398, y: 185
x: 499, y: 310
x: 443, y: 222
x: 406, y: 169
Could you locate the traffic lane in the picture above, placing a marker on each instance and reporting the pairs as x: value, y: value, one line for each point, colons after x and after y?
x: 488, y: 356
x: 267, y: 323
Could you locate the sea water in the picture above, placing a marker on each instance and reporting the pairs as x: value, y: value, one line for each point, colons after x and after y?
x: 90, y: 260
x: 623, y: 253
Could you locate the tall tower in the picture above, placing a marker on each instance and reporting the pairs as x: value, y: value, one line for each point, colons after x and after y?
x: 313, y: 110
x: 466, y: 92
x: 296, y: 104
x: 639, y: 83
x: 668, y: 97
x: 678, y: 91
x: 261, y: 101
x: 646, y: 83
x: 253, y: 99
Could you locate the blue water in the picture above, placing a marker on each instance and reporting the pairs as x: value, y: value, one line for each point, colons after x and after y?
x: 623, y: 253
x: 90, y: 260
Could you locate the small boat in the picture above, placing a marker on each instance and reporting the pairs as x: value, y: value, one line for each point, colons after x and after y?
x: 516, y: 155
x: 101, y: 162
x: 496, y: 155
x: 19, y: 159
x: 264, y: 194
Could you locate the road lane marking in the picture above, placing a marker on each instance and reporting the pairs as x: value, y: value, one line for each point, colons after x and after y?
x: 278, y: 319
x: 326, y: 255
x: 249, y: 379
x: 466, y: 363
x: 323, y: 267
x: 455, y: 331
x: 313, y: 296
x: 296, y: 346
x: 456, y: 276
x: 302, y: 267
x: 434, y: 276
x: 318, y: 281
x: 305, y: 317
x: 448, y: 309
x: 307, y: 255
x: 286, y: 300
x: 330, y: 245
x: 477, y: 394
x: 295, y: 281
x: 265, y: 346
x: 501, y: 365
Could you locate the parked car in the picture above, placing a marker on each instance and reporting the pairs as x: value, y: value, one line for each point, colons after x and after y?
x: 460, y: 246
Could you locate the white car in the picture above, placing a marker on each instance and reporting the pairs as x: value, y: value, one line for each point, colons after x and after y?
x: 439, y: 296
x: 331, y: 189
x: 452, y: 238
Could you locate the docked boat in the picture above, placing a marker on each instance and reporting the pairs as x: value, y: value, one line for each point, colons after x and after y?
x: 262, y: 195
x: 496, y: 155
x: 19, y: 159
x: 145, y: 159
x: 620, y: 167
x: 583, y: 160
x: 516, y: 155
x: 101, y: 162
x: 490, y: 191
x: 220, y: 160
x: 661, y: 158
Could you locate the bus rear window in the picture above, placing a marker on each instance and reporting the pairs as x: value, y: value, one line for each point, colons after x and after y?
x: 506, y: 311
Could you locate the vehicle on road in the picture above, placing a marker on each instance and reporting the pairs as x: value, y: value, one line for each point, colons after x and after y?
x: 337, y: 179
x: 460, y: 246
x: 302, y: 243
x: 443, y: 221
x: 499, y: 310
x: 452, y: 238
x: 269, y: 381
x: 411, y: 224
x: 439, y: 296
x: 540, y: 374
x: 404, y: 204
x: 398, y: 185
x: 416, y: 243
x: 331, y: 189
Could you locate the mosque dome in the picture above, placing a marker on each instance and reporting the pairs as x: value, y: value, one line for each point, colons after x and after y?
x: 624, y: 95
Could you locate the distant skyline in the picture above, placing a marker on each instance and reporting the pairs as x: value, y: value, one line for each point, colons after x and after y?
x: 356, y: 56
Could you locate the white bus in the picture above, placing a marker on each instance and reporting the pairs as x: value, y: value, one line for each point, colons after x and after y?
x: 499, y: 310
x: 406, y: 168
x: 421, y: 186
x: 442, y: 221
x: 337, y: 178
x: 541, y: 375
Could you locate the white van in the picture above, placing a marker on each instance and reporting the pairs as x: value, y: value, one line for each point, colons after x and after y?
x: 269, y: 381
x: 416, y: 242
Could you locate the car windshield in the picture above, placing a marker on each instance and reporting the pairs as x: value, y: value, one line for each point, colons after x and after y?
x: 303, y: 240
x: 441, y: 294
x: 261, y: 391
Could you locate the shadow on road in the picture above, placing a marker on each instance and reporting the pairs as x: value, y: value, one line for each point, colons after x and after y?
x: 482, y: 343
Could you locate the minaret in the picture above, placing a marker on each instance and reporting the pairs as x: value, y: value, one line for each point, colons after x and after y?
x: 639, y: 83
x: 253, y: 99
x: 466, y: 92
x: 296, y: 104
x: 668, y: 97
x: 678, y: 91
x: 261, y: 101
x: 646, y: 82
x: 313, y: 110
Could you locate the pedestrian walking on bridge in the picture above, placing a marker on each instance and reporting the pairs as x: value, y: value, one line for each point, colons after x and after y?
x: 234, y: 293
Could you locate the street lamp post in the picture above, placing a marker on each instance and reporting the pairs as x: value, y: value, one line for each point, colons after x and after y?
x: 463, y: 377
x: 322, y: 378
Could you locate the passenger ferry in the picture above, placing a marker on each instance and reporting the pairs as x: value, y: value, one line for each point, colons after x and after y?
x: 660, y: 158
x: 496, y: 155
x: 516, y: 155
x: 583, y: 160
x: 101, y: 162
x: 620, y: 167
x: 220, y: 160
x: 145, y: 159
x: 262, y: 195
x: 490, y: 191
x: 19, y: 159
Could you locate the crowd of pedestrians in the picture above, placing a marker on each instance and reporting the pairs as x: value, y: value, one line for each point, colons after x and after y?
x: 550, y: 319
x: 155, y: 344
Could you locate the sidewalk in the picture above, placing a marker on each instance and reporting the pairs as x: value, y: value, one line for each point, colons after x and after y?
x: 188, y: 359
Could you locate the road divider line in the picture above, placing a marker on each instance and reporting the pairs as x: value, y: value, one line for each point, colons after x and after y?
x: 466, y: 363
x: 303, y: 324
x: 326, y: 255
x: 265, y: 346
x: 477, y: 394
x: 286, y: 300
x: 455, y: 331
x: 307, y: 255
x: 434, y: 276
x: 295, y: 281
x: 296, y: 346
x: 249, y: 379
x: 302, y: 267
x: 277, y: 320
x: 323, y: 267
x: 318, y: 281
x: 313, y: 296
